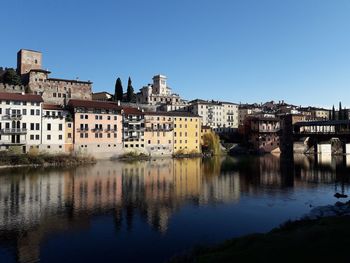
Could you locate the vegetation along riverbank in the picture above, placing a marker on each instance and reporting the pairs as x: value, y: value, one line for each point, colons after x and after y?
x: 8, y: 159
x: 321, y: 236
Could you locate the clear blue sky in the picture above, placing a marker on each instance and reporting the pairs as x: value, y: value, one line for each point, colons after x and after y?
x: 241, y: 51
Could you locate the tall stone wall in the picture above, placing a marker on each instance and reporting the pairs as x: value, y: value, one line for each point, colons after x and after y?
x: 12, y: 88
x: 58, y: 91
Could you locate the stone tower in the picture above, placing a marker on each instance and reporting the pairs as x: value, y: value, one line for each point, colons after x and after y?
x: 159, y: 85
x: 28, y: 60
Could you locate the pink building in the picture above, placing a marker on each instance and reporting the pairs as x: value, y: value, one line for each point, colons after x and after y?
x: 98, y: 128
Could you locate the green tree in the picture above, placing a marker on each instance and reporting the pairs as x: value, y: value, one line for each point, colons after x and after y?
x: 211, y: 143
x: 118, y: 90
x: 333, y: 113
x: 11, y: 77
x: 130, y: 95
x: 340, y: 114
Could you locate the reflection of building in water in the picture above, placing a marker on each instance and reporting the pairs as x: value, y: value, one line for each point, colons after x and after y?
x: 270, y: 170
x: 95, y: 187
x: 25, y: 200
x: 45, y: 201
x: 324, y: 159
x: 347, y: 158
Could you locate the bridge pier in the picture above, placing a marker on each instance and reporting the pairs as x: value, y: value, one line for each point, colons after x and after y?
x: 347, y: 148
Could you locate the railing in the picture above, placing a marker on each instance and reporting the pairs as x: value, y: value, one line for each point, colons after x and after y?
x: 159, y: 129
x: 12, y: 143
x: 13, y: 131
x: 133, y: 120
x: 96, y: 129
x: 11, y: 117
x: 82, y: 129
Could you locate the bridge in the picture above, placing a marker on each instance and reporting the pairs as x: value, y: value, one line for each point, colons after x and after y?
x: 322, y: 132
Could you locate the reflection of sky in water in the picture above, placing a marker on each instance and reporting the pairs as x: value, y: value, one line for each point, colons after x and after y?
x: 151, y: 210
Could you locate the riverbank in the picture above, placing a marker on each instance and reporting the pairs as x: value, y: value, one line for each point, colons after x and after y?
x: 323, y: 235
x: 20, y: 160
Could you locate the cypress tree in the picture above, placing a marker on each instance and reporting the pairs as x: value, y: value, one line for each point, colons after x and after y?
x: 118, y: 90
x: 333, y: 113
x: 340, y: 115
x: 130, y: 95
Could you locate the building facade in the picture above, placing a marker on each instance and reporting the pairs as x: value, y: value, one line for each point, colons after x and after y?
x: 97, y: 128
x: 160, y: 94
x: 20, y: 121
x: 220, y: 116
x: 133, y: 130
x: 187, y: 133
x: 55, y: 136
x: 159, y: 133
x: 262, y: 133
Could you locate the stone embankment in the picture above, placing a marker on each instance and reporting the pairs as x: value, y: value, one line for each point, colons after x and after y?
x: 338, y: 209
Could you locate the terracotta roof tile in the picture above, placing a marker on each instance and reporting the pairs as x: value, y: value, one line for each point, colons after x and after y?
x: 93, y: 104
x: 20, y: 97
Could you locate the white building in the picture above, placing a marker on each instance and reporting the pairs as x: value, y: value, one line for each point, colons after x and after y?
x: 220, y: 116
x: 160, y: 94
x: 54, y: 129
x: 20, y: 120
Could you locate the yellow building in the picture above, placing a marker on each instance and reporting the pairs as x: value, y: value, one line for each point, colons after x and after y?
x: 170, y: 133
x: 187, y: 133
x: 159, y: 133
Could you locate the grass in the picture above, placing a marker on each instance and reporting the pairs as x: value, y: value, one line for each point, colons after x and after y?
x: 133, y: 155
x: 7, y: 158
x: 322, y: 240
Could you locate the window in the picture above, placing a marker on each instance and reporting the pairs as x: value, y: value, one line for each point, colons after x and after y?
x: 86, y: 135
x: 37, y: 126
x: 49, y: 137
x: 81, y: 135
x: 69, y: 125
x: 81, y: 117
x: 60, y: 127
x: 60, y: 137
x: 69, y: 135
x: 86, y: 117
x: 37, y: 112
x: 49, y: 127
x: 32, y: 137
x: 32, y: 126
x: 36, y: 137
x: 24, y: 112
x: 31, y: 112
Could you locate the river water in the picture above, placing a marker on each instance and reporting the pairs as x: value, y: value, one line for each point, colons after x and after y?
x: 148, y: 211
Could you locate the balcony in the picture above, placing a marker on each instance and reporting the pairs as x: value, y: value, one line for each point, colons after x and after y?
x: 12, y: 143
x: 12, y: 117
x: 82, y: 129
x: 13, y: 131
x: 133, y: 120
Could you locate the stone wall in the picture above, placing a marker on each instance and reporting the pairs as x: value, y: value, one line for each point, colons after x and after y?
x: 58, y: 91
x: 12, y: 88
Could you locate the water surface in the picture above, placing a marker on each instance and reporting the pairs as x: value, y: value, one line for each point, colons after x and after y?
x: 151, y: 210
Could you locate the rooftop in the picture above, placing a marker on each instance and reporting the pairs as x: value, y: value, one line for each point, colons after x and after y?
x: 20, y: 97
x: 93, y: 104
x: 173, y: 113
